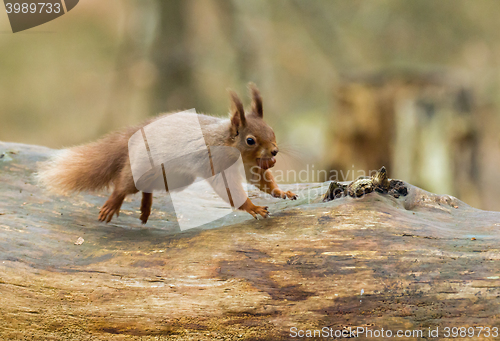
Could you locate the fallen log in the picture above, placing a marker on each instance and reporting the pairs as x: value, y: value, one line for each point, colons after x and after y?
x: 413, y: 262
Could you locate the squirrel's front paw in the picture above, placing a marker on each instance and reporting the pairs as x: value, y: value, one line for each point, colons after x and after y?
x: 262, y: 210
x: 249, y: 207
x: 283, y: 195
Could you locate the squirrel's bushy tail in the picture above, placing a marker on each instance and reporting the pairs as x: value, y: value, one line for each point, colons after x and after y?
x: 88, y: 167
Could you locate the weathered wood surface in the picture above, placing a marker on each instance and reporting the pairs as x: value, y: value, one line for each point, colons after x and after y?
x: 414, y: 258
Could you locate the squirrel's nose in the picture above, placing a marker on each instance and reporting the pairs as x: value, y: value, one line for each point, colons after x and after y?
x: 274, y: 152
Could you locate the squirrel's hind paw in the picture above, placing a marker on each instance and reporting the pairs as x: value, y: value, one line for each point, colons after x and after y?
x: 106, y: 214
x: 144, y: 217
x: 111, y: 207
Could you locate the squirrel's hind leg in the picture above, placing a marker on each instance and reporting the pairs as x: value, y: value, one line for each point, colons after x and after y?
x: 146, y: 203
x: 124, y: 186
x: 112, y: 206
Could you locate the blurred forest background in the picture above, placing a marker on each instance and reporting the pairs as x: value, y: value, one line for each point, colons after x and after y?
x: 347, y: 85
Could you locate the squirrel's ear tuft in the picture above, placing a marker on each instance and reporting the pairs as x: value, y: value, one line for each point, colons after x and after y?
x: 256, y: 100
x: 237, y: 111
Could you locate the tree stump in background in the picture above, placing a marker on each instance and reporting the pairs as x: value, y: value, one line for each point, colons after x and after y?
x: 419, y: 124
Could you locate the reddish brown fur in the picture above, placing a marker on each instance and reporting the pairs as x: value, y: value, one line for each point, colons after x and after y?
x: 257, y: 107
x: 90, y: 167
x: 96, y: 165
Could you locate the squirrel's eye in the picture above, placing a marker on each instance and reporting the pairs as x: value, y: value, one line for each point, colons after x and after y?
x: 250, y: 141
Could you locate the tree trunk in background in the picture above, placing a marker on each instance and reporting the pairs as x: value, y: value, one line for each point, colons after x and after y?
x: 133, y: 74
x: 174, y: 89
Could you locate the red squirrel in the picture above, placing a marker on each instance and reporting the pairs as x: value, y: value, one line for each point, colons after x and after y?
x: 99, y: 164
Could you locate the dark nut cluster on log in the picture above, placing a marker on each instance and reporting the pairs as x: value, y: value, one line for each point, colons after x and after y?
x: 364, y: 185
